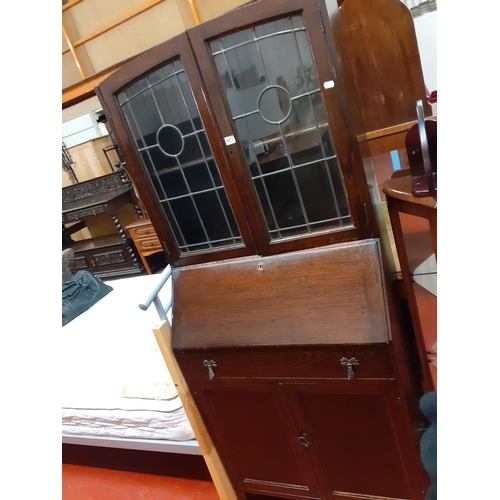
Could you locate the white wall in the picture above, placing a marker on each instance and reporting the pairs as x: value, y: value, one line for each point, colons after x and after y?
x: 79, y: 123
x: 426, y: 30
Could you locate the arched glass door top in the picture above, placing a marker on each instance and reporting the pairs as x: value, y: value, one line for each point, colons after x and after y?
x: 170, y: 138
x: 273, y: 92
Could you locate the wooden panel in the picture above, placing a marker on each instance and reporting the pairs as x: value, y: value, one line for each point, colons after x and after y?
x: 70, y: 73
x: 251, y: 432
x: 381, y: 46
x: 149, y: 231
x: 149, y: 244
x: 99, y: 144
x: 353, y: 433
x: 87, y: 165
x: 163, y: 335
x: 337, y: 292
x: 209, y: 10
x: 93, y: 15
x: 152, y: 27
x: 288, y: 362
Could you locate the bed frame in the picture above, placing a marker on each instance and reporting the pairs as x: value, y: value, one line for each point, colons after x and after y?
x: 203, y: 444
x: 161, y: 445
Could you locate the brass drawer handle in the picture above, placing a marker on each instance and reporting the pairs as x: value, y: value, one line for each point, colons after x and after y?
x: 210, y: 365
x: 350, y: 363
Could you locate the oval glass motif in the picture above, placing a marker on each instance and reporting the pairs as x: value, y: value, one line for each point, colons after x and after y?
x: 274, y: 104
x: 170, y: 140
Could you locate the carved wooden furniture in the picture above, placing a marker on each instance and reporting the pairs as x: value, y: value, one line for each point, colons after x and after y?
x: 110, y: 255
x: 237, y: 135
x: 401, y: 200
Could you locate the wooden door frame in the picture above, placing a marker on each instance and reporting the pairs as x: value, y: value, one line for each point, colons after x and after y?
x: 177, y: 47
x: 350, y: 162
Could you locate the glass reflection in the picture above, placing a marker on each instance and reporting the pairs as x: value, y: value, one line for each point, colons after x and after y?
x: 273, y: 92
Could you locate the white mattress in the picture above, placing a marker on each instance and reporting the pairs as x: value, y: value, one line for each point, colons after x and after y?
x: 115, y: 382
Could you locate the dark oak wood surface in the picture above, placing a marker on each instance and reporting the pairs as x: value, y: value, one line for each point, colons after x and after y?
x: 110, y: 255
x: 327, y: 295
x: 313, y: 427
x: 99, y: 199
x: 200, y: 69
x: 294, y: 350
x: 282, y: 362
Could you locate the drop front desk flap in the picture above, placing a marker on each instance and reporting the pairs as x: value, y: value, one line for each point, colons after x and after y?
x: 327, y: 295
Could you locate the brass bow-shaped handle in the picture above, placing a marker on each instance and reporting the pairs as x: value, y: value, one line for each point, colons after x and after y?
x: 350, y: 363
x: 210, y: 365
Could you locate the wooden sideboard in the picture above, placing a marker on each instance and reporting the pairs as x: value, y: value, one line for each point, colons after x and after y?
x: 111, y: 255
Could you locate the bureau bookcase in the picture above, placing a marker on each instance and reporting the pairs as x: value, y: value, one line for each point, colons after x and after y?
x: 237, y: 135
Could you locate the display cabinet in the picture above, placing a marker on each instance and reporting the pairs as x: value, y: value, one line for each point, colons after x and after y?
x: 238, y: 137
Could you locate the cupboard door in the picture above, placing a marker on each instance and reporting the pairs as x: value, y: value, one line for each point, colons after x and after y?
x: 174, y: 155
x: 252, y: 433
x: 356, y: 436
x: 276, y: 101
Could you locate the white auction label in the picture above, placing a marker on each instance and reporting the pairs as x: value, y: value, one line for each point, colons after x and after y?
x: 230, y: 140
x: 329, y: 84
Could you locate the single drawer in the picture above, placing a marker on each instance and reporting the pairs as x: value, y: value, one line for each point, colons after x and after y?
x: 149, y: 244
x: 145, y: 231
x: 81, y: 214
x: 338, y: 362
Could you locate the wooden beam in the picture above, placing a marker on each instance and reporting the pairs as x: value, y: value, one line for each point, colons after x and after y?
x: 194, y: 11
x: 114, y: 24
x: 71, y: 47
x: 85, y: 89
x: 387, y: 139
x: 163, y: 335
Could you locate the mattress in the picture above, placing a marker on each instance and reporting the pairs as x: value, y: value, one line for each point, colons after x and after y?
x: 114, y: 381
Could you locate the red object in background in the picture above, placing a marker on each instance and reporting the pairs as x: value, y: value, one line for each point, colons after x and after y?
x: 432, y: 97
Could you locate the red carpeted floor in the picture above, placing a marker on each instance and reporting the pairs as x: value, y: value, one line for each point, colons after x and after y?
x: 92, y: 483
x: 105, y: 474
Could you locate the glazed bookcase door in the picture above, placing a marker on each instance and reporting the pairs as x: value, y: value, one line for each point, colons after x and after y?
x: 173, y: 154
x: 267, y: 70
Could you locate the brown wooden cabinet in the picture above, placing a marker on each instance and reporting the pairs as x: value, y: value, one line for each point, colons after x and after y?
x: 305, y: 437
x: 238, y: 138
x: 296, y: 375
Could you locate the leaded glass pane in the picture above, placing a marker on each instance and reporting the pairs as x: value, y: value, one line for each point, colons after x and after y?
x: 273, y: 91
x: 169, y: 134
